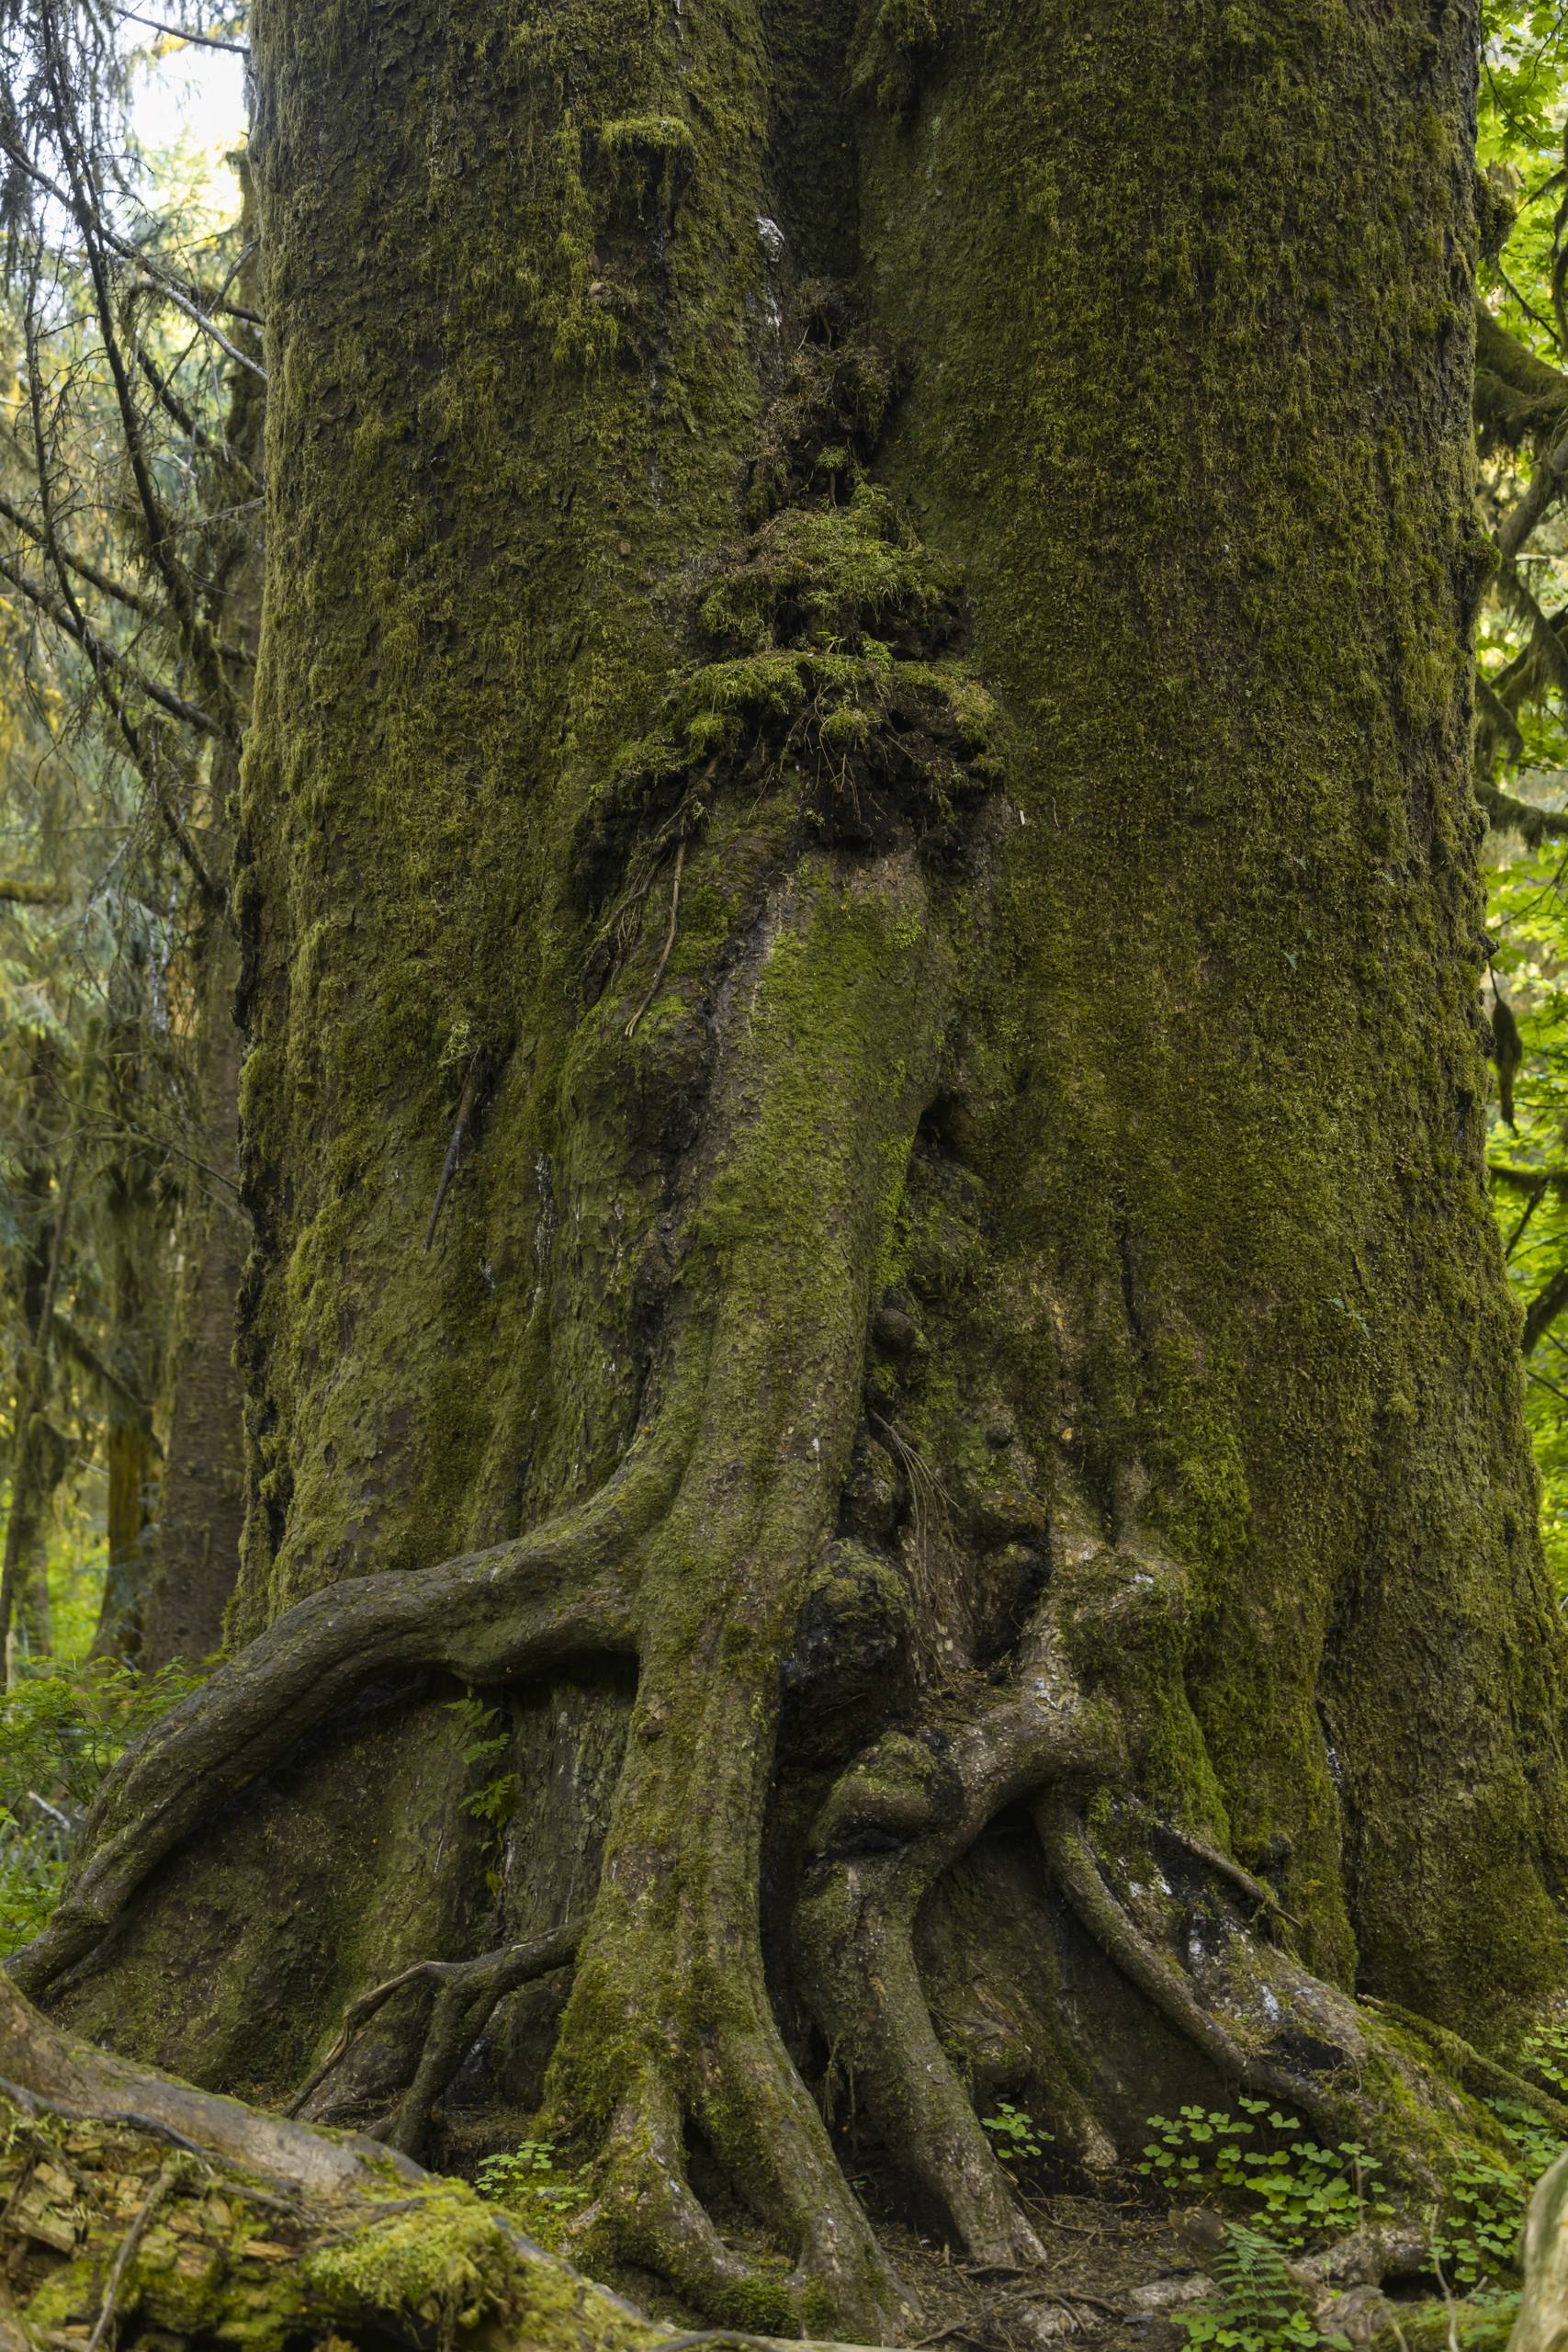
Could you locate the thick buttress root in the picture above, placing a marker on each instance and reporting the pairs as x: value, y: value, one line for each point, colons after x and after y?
x: 563, y: 1590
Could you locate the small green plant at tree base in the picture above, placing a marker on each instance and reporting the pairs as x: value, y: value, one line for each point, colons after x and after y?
x: 1544, y: 2054
x: 1298, y: 2192
x: 528, y: 2181
x: 1258, y: 2306
x: 1017, y: 2136
x: 1476, y: 2243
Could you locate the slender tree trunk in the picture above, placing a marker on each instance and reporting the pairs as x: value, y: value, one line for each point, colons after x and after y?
x: 129, y: 1445
x: 863, y: 1117
x: 29, y: 1483
x: 201, y: 1508
x: 37, y: 1454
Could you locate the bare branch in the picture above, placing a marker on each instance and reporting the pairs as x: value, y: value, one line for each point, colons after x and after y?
x: 99, y: 650
x: 130, y: 597
x: 88, y: 219
x: 178, y: 32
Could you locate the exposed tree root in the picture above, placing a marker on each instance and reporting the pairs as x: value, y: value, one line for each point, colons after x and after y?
x: 1156, y: 1976
x: 645, y: 2213
x: 466, y: 1993
x: 562, y: 1591
x: 670, y: 1948
x: 903, y: 1814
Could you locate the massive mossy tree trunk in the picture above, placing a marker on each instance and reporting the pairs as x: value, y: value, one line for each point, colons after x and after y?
x: 864, y: 1115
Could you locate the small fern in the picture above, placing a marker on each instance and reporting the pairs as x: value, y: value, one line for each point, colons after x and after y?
x: 490, y: 1739
x: 1258, y: 2306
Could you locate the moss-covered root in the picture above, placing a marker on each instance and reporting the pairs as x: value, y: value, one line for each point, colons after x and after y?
x: 833, y: 1025
x: 645, y: 2213
x: 1266, y: 2023
x: 903, y: 1813
x: 565, y: 1588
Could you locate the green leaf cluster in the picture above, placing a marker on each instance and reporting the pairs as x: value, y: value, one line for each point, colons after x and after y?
x: 528, y: 2181
x: 1299, y: 2191
x: 1016, y: 2135
x: 59, y: 1735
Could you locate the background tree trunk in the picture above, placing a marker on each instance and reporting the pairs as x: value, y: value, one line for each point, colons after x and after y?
x: 201, y: 1502
x: 202, y: 1513
x: 862, y: 948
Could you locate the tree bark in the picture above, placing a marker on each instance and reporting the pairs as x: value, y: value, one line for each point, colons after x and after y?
x: 863, y: 1118
x: 201, y: 1501
x: 138, y: 1310
x: 202, y: 1513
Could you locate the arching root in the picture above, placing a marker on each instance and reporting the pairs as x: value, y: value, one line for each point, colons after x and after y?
x: 1158, y: 1977
x: 466, y: 1995
x: 563, y: 1590
x: 906, y: 1812
x: 914, y: 1804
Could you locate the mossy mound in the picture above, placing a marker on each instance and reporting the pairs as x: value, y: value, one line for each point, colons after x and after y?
x: 181, y: 2246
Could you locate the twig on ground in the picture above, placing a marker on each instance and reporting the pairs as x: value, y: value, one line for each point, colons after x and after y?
x: 168, y: 2175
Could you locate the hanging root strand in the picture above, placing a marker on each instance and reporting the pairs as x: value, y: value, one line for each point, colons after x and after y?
x: 466, y: 1994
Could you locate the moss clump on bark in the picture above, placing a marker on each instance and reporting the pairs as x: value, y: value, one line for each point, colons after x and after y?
x: 189, y: 2247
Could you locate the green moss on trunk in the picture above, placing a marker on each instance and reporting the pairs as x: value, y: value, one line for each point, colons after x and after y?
x: 860, y: 932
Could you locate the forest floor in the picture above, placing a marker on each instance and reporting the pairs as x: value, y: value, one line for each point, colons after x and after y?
x: 139, y: 2215
x: 1114, y: 2272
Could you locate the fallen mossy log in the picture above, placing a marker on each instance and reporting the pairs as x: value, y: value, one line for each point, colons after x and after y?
x: 136, y: 2211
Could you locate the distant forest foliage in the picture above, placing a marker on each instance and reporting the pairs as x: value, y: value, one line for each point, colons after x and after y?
x: 1522, y: 713
x: 126, y: 505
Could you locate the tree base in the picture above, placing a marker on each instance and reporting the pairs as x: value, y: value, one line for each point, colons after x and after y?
x: 135, y: 2209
